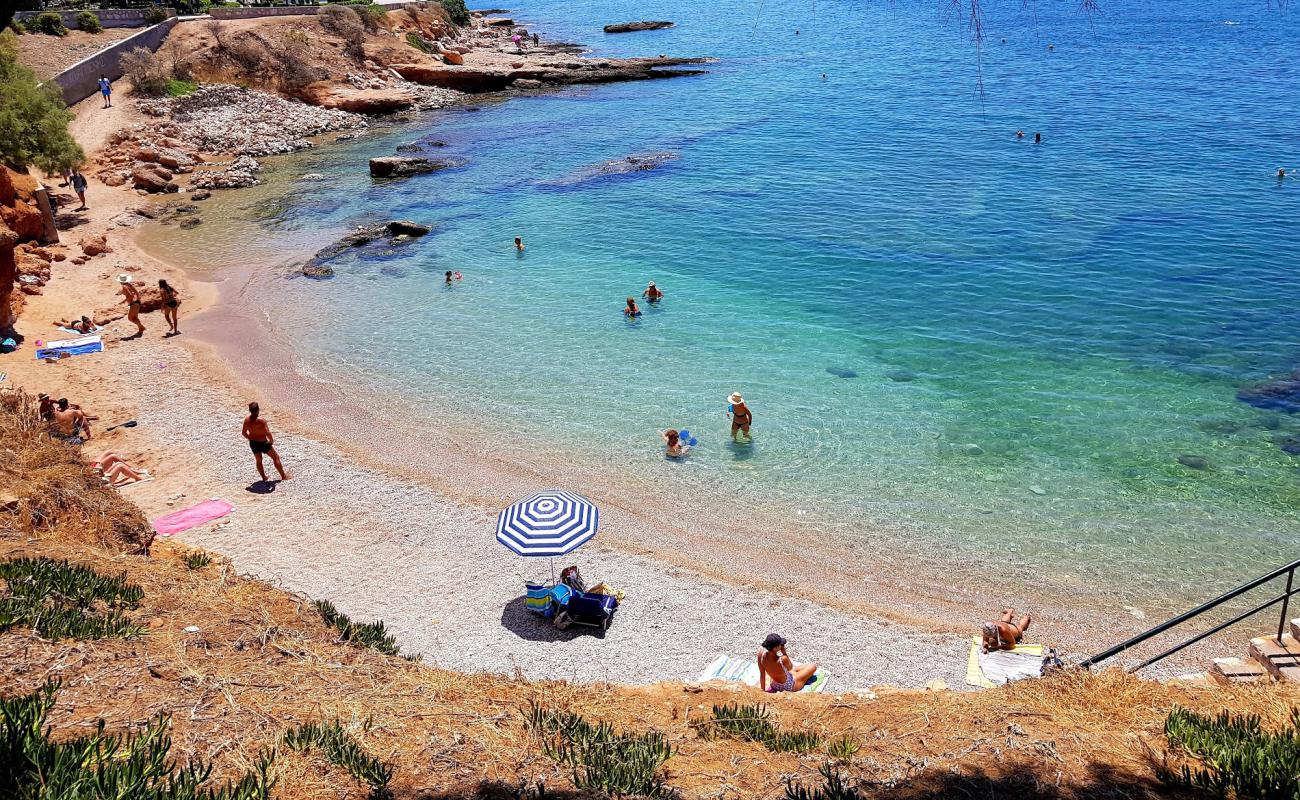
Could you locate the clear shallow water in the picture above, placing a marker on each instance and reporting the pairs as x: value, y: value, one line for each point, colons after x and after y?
x: 1070, y: 317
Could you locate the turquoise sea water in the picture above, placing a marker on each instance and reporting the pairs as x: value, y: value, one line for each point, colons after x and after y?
x: 1034, y: 333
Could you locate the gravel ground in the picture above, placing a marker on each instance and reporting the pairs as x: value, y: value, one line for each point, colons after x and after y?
x: 47, y: 56
x: 431, y: 569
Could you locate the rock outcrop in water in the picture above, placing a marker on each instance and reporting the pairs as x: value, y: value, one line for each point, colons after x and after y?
x: 404, y: 166
x: 643, y: 25
x: 1279, y: 395
x: 393, y: 232
x: 496, y: 77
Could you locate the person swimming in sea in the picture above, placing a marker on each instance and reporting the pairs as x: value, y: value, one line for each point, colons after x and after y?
x: 449, y: 277
x: 519, y: 244
x: 652, y: 294
x: 673, y: 444
x: 1281, y: 173
x: 741, y: 416
x: 1038, y: 138
x: 631, y: 311
x: 1020, y: 134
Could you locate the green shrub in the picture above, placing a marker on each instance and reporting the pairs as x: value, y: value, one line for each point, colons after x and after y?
x: 101, y: 765
x: 49, y: 22
x: 16, y: 25
x: 1236, y: 755
x: 370, y: 634
x: 88, y: 21
x: 197, y: 559
x: 456, y: 11
x: 614, y: 764
x: 419, y: 42
x: 179, y: 88
x: 843, y: 749
x: 834, y: 787
x: 372, y: 16
x: 57, y: 600
x: 33, y: 117
x: 751, y: 723
x: 146, y: 71
x: 340, y: 749
x: 154, y: 15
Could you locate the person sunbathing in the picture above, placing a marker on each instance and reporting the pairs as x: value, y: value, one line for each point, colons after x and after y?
x: 777, y: 672
x: 83, y: 325
x: 116, y: 470
x: 1004, y: 634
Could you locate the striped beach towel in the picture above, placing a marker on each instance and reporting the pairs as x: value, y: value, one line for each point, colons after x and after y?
x: 745, y: 670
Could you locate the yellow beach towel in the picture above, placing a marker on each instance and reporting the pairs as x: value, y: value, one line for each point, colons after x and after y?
x: 1025, y: 661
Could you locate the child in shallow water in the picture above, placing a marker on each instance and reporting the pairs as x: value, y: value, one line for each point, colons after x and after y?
x: 631, y: 312
x: 673, y: 440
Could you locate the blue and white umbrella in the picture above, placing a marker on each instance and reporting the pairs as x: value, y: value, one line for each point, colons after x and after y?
x: 549, y: 523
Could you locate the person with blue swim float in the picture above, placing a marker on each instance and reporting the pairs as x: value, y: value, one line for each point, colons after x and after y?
x: 741, y: 416
x: 631, y: 312
x: 676, y: 448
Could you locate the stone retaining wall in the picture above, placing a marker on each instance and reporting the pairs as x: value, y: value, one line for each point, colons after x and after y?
x: 80, y: 80
x: 108, y: 17
x: 253, y: 12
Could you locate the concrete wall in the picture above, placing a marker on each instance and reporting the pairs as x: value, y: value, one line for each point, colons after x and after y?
x: 108, y: 17
x: 80, y: 80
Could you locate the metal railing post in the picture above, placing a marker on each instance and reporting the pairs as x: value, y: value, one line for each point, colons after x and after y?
x: 1286, y: 601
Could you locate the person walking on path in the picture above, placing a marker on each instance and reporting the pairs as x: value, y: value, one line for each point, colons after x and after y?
x: 261, y: 442
x: 106, y: 89
x: 78, y: 183
x: 170, y: 306
x: 132, y: 297
x: 741, y: 416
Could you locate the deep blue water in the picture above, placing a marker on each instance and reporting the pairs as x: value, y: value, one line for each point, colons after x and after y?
x: 1032, y: 334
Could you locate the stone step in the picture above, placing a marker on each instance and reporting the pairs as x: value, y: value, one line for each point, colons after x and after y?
x: 1280, y: 658
x: 1228, y: 671
x: 1295, y: 627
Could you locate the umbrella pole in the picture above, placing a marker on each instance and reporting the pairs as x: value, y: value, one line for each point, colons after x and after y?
x: 552, y: 560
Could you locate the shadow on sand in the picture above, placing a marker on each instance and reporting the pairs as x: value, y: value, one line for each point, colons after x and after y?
x: 517, y: 619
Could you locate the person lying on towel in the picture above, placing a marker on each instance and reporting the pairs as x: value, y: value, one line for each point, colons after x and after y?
x: 777, y: 672
x: 1005, y: 634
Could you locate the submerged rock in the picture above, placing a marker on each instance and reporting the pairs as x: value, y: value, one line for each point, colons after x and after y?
x: 627, y: 165
x: 1279, y: 395
x: 1288, y: 444
x: 840, y: 372
x: 318, y: 271
x: 901, y: 375
x: 404, y: 227
x: 1193, y: 461
x: 643, y: 25
x: 393, y: 232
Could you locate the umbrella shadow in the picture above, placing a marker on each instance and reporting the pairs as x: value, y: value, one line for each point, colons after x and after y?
x: 516, y: 618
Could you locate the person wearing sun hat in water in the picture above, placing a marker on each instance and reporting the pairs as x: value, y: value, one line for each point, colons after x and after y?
x: 741, y: 416
x: 652, y: 294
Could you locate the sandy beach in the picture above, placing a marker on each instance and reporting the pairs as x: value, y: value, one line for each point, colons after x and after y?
x: 390, y: 520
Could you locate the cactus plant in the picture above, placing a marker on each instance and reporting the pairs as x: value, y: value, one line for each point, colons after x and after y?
x: 369, y: 634
x: 1237, y: 756
x: 613, y: 764
x: 340, y: 749
x: 57, y: 600
x: 751, y: 723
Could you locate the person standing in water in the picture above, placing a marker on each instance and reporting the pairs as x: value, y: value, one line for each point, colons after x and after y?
x: 261, y: 442
x: 519, y: 244
x: 170, y: 307
x: 132, y: 297
x: 1038, y: 138
x: 631, y: 311
x: 741, y: 416
x: 652, y: 293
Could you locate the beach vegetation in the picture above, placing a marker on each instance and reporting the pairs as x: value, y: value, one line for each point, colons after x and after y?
x: 834, y: 787
x: 153, y: 15
x: 612, y: 764
x: 106, y: 765
x: 48, y: 22
x: 17, y: 27
x: 342, y: 750
x: 843, y: 749
x: 1233, y: 755
x: 59, y: 600
x: 146, y: 71
x: 373, y: 17
x: 179, y: 88
x: 369, y: 634
x: 457, y: 13
x: 752, y: 723
x: 419, y: 42
x: 88, y: 21
x: 346, y: 24
x: 197, y: 559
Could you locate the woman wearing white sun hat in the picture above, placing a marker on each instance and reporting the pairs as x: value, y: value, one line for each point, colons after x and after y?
x: 741, y: 416
x: 132, y: 297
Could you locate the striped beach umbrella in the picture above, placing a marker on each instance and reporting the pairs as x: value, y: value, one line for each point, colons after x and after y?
x: 549, y: 523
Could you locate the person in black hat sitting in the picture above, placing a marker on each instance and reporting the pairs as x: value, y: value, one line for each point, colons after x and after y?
x: 777, y: 672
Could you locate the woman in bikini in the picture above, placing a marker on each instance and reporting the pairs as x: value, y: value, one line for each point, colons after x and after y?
x: 673, y: 440
x: 777, y: 672
x: 132, y: 297
x: 171, y: 306
x: 741, y: 416
x: 1005, y: 634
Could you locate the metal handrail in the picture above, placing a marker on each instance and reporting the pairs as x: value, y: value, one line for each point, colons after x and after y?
x: 1285, y: 599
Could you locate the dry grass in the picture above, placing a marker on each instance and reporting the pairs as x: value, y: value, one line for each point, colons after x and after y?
x: 57, y: 494
x: 263, y: 661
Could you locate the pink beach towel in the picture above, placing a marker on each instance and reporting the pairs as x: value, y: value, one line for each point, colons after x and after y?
x: 187, y: 518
